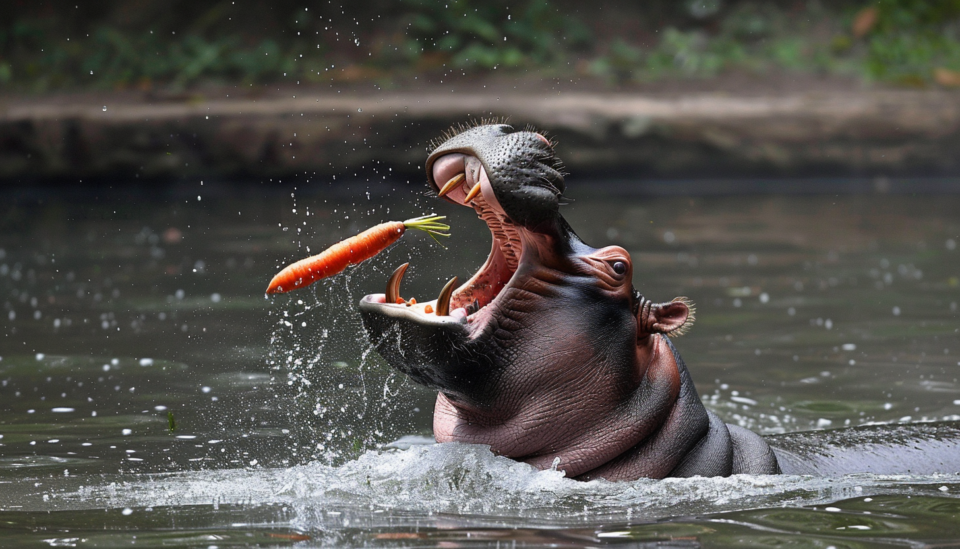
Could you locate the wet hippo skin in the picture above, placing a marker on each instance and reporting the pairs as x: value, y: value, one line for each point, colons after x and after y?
x: 550, y: 356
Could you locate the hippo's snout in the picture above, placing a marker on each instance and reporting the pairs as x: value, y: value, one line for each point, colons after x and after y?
x: 516, y: 171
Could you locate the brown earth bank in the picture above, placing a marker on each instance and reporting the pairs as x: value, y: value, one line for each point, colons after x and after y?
x: 734, y: 129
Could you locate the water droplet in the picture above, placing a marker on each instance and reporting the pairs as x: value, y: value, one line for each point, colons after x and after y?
x: 104, y: 108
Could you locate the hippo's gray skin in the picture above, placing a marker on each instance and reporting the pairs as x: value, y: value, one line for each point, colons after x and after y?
x: 549, y: 355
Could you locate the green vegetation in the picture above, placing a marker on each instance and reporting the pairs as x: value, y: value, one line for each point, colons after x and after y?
x: 490, y: 35
x: 177, y: 45
x: 36, y: 54
x: 915, y: 40
x: 900, y: 41
x: 116, y: 58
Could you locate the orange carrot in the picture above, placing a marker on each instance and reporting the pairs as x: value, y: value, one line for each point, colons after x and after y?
x: 351, y: 251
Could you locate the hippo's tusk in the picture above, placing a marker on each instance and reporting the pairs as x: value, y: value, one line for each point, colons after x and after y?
x: 472, y: 194
x: 393, y: 284
x: 454, y: 182
x: 443, y: 301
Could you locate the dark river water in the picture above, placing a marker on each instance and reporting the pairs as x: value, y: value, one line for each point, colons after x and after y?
x: 151, y: 396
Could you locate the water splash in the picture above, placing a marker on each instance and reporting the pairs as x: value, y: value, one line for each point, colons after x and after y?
x: 440, y: 480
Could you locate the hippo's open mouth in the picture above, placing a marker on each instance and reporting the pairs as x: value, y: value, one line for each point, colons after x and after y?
x: 512, y: 180
x: 497, y: 172
x: 464, y: 180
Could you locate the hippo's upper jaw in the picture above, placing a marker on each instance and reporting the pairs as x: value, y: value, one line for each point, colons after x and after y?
x: 548, y: 353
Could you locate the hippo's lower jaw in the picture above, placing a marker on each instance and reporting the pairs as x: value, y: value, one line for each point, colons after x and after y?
x: 464, y: 304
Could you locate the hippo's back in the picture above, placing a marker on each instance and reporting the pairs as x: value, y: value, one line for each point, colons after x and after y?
x: 915, y: 449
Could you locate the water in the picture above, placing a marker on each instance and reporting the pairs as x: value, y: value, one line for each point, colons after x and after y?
x: 130, y: 310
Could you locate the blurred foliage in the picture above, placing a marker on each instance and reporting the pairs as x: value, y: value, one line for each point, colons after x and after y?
x: 751, y: 36
x: 120, y: 59
x: 912, y: 38
x: 910, y: 42
x: 42, y: 50
x: 54, y: 44
x: 490, y: 35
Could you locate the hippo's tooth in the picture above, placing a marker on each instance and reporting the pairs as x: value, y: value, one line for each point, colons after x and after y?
x: 472, y: 194
x: 393, y: 284
x: 443, y: 301
x: 454, y: 182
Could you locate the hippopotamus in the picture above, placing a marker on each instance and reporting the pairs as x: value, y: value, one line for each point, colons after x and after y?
x: 549, y: 355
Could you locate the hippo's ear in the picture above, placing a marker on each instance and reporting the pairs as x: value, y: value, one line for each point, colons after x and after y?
x: 673, y: 318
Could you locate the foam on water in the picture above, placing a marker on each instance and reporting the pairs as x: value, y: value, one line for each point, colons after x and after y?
x: 429, y: 482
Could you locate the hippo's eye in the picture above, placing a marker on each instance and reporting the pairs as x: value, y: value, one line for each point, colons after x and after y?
x: 620, y: 267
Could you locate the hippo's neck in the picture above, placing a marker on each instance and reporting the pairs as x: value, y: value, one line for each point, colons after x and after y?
x: 656, y: 426
x: 680, y: 426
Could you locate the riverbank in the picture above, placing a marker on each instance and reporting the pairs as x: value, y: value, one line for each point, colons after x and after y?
x: 808, y: 131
